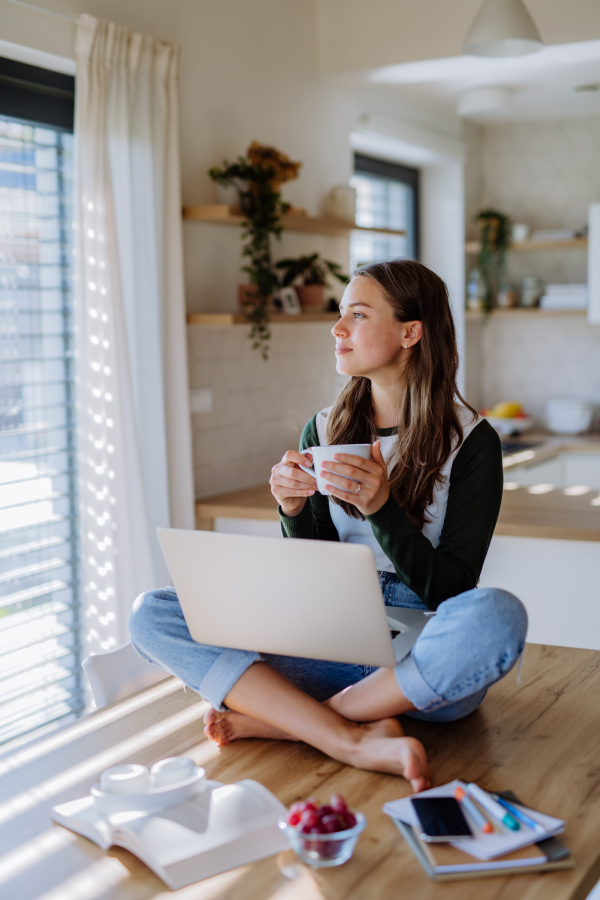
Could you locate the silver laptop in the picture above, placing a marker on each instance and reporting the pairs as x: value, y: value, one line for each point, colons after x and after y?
x: 311, y: 599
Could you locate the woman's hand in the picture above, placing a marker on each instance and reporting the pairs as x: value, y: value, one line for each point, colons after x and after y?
x: 372, y: 489
x: 290, y: 485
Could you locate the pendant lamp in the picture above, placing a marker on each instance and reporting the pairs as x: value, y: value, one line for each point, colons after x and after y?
x: 503, y: 28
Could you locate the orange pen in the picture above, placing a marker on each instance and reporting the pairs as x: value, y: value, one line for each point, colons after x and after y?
x: 473, y: 811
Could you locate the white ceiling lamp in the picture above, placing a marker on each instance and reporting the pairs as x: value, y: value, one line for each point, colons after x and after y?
x: 488, y: 101
x: 503, y: 28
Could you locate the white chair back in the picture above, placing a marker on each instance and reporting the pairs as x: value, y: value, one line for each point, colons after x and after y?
x: 119, y: 673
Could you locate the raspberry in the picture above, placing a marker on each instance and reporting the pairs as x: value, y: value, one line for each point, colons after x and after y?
x: 338, y: 804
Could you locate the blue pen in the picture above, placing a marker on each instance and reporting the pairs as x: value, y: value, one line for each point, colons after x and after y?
x: 520, y: 815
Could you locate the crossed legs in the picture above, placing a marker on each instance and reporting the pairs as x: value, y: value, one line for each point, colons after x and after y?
x: 262, y: 703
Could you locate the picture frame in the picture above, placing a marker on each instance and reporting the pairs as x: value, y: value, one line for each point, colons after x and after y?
x: 286, y: 301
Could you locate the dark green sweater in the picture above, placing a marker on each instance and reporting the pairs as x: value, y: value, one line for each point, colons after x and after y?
x: 474, y: 498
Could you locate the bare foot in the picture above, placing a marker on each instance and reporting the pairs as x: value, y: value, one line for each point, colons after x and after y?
x: 383, y: 747
x: 223, y: 727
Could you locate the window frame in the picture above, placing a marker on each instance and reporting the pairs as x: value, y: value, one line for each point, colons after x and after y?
x: 393, y: 171
x: 38, y: 97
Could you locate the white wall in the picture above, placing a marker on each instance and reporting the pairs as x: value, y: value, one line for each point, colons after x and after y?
x: 250, y: 71
x: 545, y: 175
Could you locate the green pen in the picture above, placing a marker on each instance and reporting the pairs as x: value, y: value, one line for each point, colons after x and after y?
x: 493, y: 807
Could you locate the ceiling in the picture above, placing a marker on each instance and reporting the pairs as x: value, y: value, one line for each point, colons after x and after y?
x: 542, y: 85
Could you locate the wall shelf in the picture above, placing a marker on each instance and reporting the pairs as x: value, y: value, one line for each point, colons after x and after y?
x: 472, y: 247
x: 223, y: 214
x: 224, y: 320
x: 523, y: 312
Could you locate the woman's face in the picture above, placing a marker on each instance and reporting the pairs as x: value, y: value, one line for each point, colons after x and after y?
x: 368, y: 339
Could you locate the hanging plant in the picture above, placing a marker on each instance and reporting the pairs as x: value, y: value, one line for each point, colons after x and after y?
x: 495, y: 241
x: 257, y: 178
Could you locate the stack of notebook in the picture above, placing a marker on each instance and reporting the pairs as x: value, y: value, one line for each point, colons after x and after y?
x: 503, y: 852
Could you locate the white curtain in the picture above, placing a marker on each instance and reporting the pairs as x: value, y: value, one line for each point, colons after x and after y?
x: 134, y: 440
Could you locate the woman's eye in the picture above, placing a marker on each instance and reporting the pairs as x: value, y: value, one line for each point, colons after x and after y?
x: 358, y: 315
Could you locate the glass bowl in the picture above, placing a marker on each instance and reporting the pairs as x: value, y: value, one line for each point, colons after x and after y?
x: 321, y: 850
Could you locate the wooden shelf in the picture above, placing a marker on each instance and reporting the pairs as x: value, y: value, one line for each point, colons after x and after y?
x: 473, y: 315
x: 224, y: 320
x: 523, y: 246
x: 223, y: 214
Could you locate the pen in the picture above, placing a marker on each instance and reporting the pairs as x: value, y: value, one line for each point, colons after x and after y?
x: 492, y: 806
x: 520, y: 815
x: 476, y: 815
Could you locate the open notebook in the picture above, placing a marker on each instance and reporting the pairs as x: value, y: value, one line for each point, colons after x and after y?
x: 224, y: 827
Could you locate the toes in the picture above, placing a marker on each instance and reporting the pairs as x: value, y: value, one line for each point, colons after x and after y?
x: 215, y: 727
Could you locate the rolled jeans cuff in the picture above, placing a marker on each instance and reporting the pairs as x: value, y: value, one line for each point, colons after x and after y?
x: 414, y: 687
x: 223, y: 674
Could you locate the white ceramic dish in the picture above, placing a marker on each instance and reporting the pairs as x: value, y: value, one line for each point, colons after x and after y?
x: 510, y: 426
x: 569, y: 416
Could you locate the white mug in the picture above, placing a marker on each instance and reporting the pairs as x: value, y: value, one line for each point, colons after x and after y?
x: 323, y: 455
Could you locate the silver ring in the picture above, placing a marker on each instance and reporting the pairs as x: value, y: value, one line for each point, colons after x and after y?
x: 357, y: 491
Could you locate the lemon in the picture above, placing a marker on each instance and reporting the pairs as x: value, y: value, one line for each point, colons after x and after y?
x: 506, y: 410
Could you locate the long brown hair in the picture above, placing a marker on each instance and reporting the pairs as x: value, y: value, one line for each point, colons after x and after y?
x: 428, y: 423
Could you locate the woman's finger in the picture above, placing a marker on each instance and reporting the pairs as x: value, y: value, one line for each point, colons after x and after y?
x: 292, y: 472
x: 346, y: 485
x: 291, y: 484
x: 353, y: 475
x: 365, y: 465
x: 348, y: 496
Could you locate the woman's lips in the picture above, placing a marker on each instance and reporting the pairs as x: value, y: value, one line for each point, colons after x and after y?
x: 341, y: 349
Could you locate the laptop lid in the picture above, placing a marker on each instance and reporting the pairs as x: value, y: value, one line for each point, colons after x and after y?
x: 312, y: 599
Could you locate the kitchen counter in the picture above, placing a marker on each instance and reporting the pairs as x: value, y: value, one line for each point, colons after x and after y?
x: 554, y: 514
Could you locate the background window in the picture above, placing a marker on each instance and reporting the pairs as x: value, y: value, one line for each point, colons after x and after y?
x: 40, y: 658
x: 387, y: 196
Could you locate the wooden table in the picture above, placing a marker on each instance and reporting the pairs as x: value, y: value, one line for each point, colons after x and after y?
x: 540, y: 739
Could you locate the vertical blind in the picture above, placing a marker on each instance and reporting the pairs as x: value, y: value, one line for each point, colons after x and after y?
x: 40, y: 640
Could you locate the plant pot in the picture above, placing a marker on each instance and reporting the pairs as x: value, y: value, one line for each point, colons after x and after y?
x: 248, y: 293
x: 311, y: 296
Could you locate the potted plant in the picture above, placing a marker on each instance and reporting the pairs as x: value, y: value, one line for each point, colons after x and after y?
x: 257, y: 178
x: 311, y: 274
x: 495, y: 241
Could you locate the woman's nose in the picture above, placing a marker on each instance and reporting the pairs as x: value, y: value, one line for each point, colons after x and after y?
x: 339, y: 329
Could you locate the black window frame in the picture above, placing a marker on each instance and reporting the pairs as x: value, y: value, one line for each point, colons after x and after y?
x: 385, y: 168
x: 37, y: 96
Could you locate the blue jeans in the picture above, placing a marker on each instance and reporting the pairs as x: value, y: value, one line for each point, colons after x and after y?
x: 472, y: 642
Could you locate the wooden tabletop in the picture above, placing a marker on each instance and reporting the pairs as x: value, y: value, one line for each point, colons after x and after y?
x: 540, y: 739
x: 523, y: 514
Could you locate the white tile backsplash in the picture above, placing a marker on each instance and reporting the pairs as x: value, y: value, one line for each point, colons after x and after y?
x: 531, y: 360
x: 259, y: 408
x: 544, y: 174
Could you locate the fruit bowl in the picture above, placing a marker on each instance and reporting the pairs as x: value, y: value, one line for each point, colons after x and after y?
x: 516, y: 425
x: 322, y: 850
x: 323, y: 834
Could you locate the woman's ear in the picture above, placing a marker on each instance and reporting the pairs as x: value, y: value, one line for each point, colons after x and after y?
x: 413, y: 333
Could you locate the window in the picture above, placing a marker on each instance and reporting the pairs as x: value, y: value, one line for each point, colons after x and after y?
x: 40, y: 664
x: 387, y: 196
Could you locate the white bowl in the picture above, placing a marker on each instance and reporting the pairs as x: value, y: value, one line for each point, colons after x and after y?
x: 510, y: 426
x: 569, y: 416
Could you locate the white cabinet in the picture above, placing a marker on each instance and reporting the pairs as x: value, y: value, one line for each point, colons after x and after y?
x: 565, y: 470
x: 548, y: 472
x: 581, y: 468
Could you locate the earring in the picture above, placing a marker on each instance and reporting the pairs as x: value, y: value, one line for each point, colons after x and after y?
x: 406, y: 346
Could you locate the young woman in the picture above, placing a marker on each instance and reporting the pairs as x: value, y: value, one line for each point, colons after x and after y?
x: 426, y: 504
